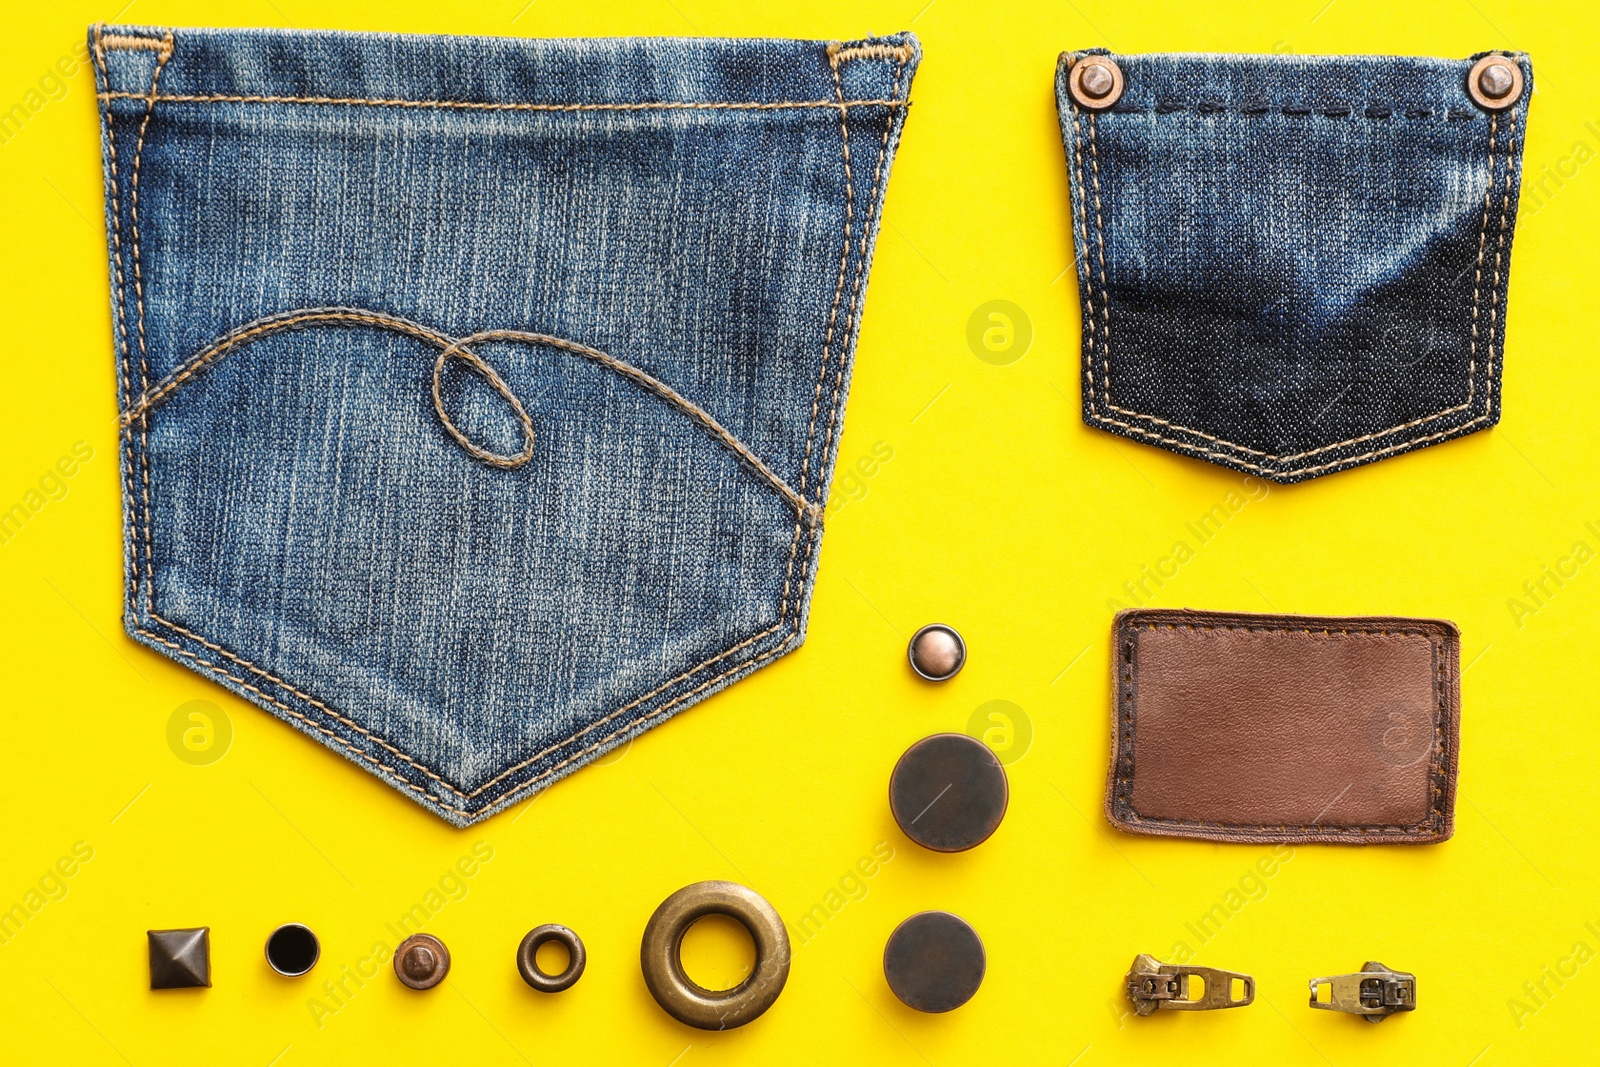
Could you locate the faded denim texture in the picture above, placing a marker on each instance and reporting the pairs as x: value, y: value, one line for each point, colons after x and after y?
x: 1292, y: 265
x: 480, y: 396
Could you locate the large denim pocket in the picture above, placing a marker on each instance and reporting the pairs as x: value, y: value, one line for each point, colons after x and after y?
x: 480, y: 397
x: 1292, y: 265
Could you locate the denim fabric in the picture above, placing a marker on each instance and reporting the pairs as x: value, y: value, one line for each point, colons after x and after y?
x: 480, y: 396
x: 1292, y: 265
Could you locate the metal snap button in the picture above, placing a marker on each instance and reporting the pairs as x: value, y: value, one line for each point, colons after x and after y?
x: 421, y: 961
x: 528, y: 965
x: 948, y: 792
x: 934, y: 961
x: 678, y: 994
x: 292, y: 950
x: 1095, y: 82
x: 937, y: 652
x: 1495, y: 82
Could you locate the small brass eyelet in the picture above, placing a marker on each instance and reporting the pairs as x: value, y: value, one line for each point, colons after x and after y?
x: 528, y: 964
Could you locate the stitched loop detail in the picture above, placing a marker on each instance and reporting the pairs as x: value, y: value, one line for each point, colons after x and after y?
x: 455, y: 350
x: 806, y: 513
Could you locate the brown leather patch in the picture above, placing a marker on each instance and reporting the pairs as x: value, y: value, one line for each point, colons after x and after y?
x: 1292, y: 728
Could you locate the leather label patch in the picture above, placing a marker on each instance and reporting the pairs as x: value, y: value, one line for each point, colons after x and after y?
x: 1291, y: 728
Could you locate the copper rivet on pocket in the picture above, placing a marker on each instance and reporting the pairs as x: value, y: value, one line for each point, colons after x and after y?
x: 948, y: 792
x: 421, y: 961
x: 1495, y: 82
x: 937, y: 652
x: 677, y: 993
x: 528, y: 964
x: 934, y: 961
x: 1095, y: 82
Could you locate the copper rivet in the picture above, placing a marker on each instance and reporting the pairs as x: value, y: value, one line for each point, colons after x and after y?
x: 421, y: 961
x: 1095, y: 82
x: 937, y: 652
x: 1495, y: 82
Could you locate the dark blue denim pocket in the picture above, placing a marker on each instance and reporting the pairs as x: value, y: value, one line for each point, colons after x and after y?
x: 1292, y: 265
x: 480, y: 396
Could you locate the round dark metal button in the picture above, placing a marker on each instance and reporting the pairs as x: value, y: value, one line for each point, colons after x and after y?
x: 934, y: 961
x: 528, y: 964
x: 421, y: 961
x: 948, y: 792
x: 678, y: 994
x: 292, y: 950
x: 1094, y: 82
x: 1495, y: 82
x: 937, y: 652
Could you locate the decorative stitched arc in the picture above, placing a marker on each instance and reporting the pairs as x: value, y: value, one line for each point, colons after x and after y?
x: 457, y: 349
x: 613, y: 529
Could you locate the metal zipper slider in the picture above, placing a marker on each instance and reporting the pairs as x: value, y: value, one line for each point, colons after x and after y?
x: 1153, y: 984
x: 1374, y: 993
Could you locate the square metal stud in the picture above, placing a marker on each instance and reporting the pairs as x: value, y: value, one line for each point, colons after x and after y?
x: 180, y: 959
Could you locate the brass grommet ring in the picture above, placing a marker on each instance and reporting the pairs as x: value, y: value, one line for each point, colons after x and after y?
x: 678, y: 994
x: 528, y: 963
x: 1495, y: 82
x: 1095, y: 82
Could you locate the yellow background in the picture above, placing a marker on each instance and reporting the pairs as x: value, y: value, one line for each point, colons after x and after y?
x: 998, y: 512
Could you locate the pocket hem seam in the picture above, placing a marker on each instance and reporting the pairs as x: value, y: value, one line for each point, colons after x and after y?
x: 397, y: 777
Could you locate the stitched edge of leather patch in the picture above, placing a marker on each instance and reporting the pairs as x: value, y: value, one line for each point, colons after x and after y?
x: 1445, y: 717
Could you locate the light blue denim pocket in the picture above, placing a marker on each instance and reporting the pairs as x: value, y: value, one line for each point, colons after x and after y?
x: 480, y: 396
